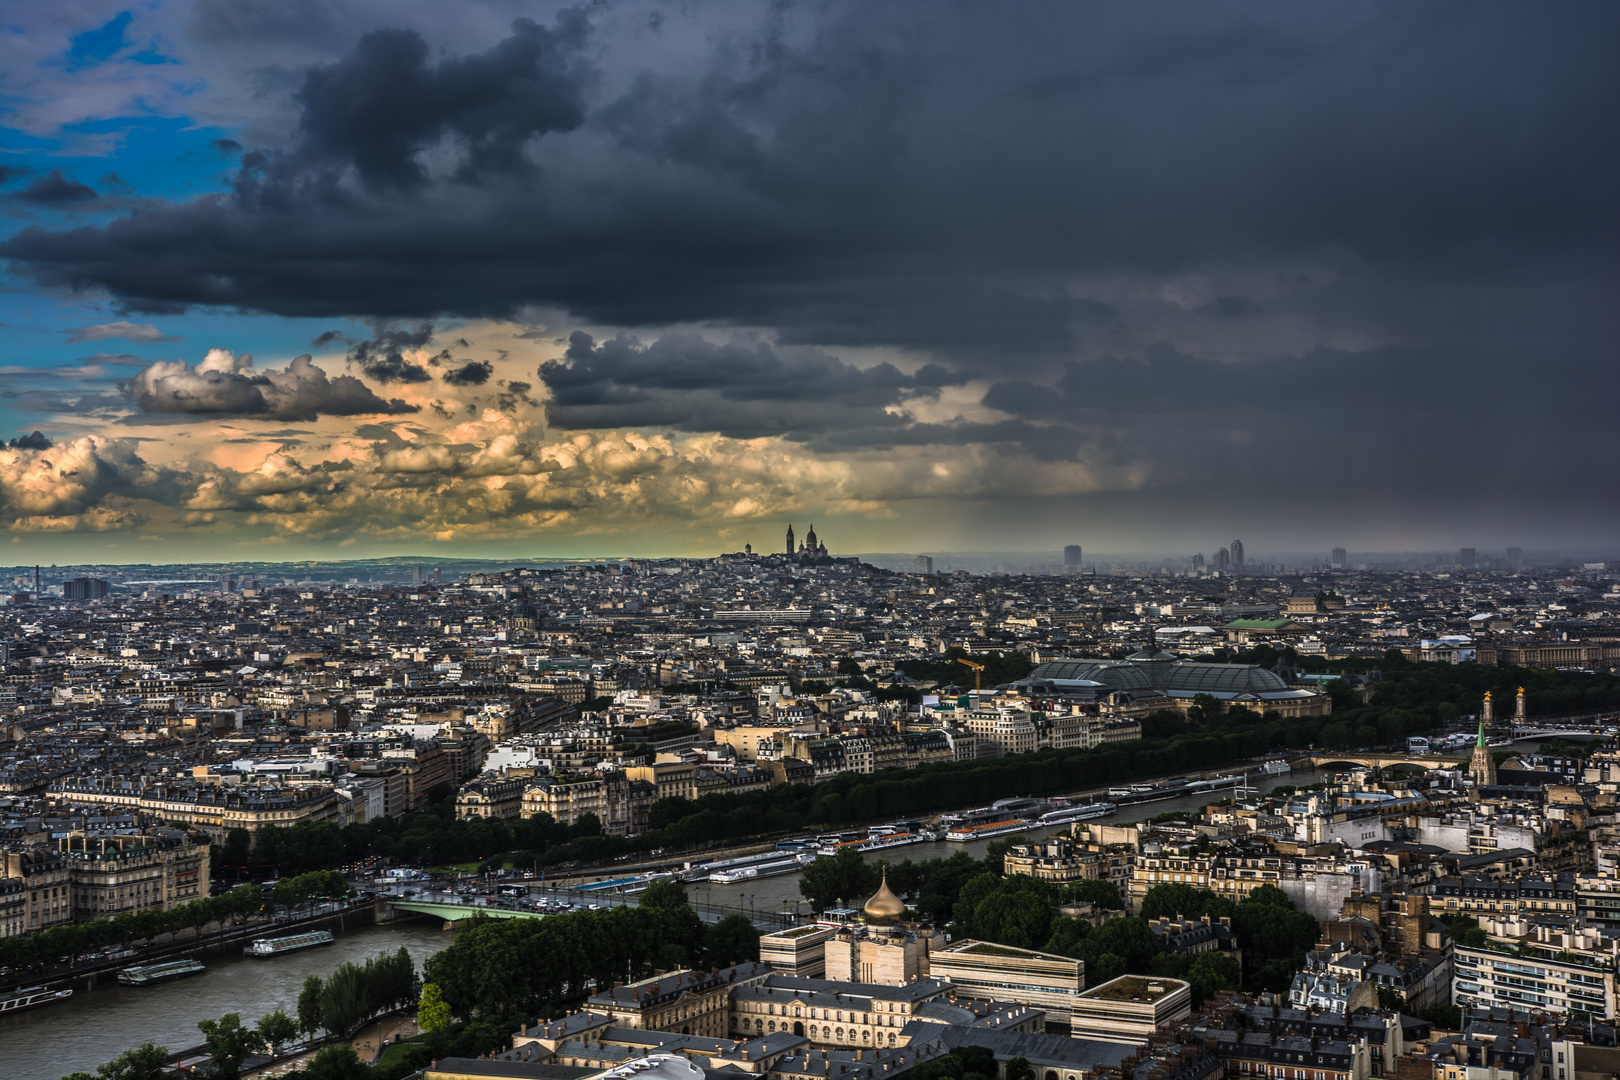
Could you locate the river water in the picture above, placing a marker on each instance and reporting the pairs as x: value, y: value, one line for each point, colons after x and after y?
x: 96, y: 1026
x: 776, y: 894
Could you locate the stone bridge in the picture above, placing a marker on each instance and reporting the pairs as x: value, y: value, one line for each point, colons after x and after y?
x: 1384, y: 761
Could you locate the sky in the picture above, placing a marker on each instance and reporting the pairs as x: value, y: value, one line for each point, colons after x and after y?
x: 317, y: 278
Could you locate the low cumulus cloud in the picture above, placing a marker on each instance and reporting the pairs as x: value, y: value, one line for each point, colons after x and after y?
x: 224, y: 384
x: 49, y: 487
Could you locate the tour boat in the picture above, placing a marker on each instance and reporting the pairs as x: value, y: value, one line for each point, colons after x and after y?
x: 147, y: 974
x: 31, y: 997
x: 981, y: 832
x: 758, y: 870
x: 725, y: 870
x: 873, y: 843
x: 1276, y: 767
x: 1082, y: 812
x: 292, y: 943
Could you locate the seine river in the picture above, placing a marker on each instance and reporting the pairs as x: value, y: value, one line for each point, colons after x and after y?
x: 98, y: 1025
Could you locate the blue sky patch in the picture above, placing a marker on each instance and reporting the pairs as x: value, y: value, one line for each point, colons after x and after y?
x: 96, y: 46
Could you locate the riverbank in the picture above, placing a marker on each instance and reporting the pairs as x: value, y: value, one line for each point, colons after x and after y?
x: 82, y: 978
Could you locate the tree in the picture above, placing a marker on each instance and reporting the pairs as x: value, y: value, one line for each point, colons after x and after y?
x: 336, y: 1063
x: 343, y: 1006
x: 668, y: 893
x: 1268, y: 924
x: 1068, y: 937
x: 309, y: 1006
x: 1212, y: 972
x: 1107, y: 966
x: 1443, y: 1016
x: 1019, y: 1068
x: 995, y: 853
x: 1127, y: 939
x: 1099, y: 891
x: 229, y: 1042
x: 276, y: 1028
x: 1204, y: 710
x: 1391, y: 998
x: 729, y: 941
x: 432, y: 1012
x: 237, y: 849
x: 1173, y: 900
x: 1014, y: 910
x: 844, y: 876
x: 144, y: 1062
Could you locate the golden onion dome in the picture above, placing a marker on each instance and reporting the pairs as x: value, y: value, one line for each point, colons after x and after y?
x: 884, y: 907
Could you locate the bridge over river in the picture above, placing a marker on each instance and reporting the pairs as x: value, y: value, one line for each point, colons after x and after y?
x: 1329, y: 761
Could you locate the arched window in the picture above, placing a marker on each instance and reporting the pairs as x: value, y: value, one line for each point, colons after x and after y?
x: 1051, y: 1075
x: 771, y: 1026
x: 866, y: 1036
x: 840, y: 1034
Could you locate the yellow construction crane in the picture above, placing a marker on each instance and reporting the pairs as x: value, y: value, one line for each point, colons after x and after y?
x: 977, y: 670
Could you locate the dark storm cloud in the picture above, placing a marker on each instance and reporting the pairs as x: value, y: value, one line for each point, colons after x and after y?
x: 472, y: 373
x: 1233, y: 307
x: 382, y: 356
x: 913, y: 176
x: 54, y: 189
x: 36, y: 441
x: 743, y: 389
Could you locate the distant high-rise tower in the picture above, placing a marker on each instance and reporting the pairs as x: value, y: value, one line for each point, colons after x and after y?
x: 1515, y: 557
x: 1071, y: 556
x: 1237, y: 554
x: 922, y: 564
x: 1466, y: 558
x: 790, y: 545
x: 1223, y: 559
x: 1198, y: 561
x: 84, y: 588
x: 416, y: 574
x: 1338, y: 557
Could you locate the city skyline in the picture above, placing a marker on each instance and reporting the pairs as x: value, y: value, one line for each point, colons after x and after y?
x: 545, y: 281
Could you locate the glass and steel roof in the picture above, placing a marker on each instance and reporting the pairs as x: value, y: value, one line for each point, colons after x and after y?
x: 1157, y: 673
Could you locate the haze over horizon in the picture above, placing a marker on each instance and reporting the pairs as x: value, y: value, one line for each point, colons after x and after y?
x: 346, y: 278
